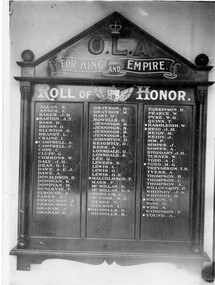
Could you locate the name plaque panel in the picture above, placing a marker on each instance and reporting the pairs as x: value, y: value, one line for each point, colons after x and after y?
x: 167, y: 172
x: 112, y: 171
x: 57, y: 170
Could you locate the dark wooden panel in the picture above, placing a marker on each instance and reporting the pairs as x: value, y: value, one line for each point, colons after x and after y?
x: 57, y: 171
x: 167, y: 173
x: 112, y: 171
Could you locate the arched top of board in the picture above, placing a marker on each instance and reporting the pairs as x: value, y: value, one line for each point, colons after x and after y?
x: 114, y: 49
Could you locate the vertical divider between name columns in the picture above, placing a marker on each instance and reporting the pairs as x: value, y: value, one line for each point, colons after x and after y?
x: 139, y: 154
x: 84, y: 166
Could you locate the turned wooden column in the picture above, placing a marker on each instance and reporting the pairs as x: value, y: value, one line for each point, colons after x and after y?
x: 24, y: 170
x: 199, y: 169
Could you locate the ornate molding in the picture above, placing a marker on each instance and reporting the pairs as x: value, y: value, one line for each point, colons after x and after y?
x: 22, y: 242
x: 25, y: 89
x: 202, y: 92
x: 195, y: 248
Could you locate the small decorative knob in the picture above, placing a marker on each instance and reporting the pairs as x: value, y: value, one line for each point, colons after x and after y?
x: 202, y: 59
x: 27, y: 55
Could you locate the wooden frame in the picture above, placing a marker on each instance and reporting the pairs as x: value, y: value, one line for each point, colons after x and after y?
x: 33, y: 248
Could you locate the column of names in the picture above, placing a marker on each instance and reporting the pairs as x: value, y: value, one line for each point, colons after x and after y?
x: 166, y: 162
x: 57, y: 175
x: 112, y: 164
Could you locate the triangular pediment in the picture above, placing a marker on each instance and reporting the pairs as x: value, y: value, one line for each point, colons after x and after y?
x: 114, y: 48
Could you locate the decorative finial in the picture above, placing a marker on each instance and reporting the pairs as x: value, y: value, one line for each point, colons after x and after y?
x: 27, y: 55
x: 202, y: 59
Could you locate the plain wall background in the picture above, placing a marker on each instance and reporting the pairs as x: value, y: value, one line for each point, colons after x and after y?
x: 186, y: 27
